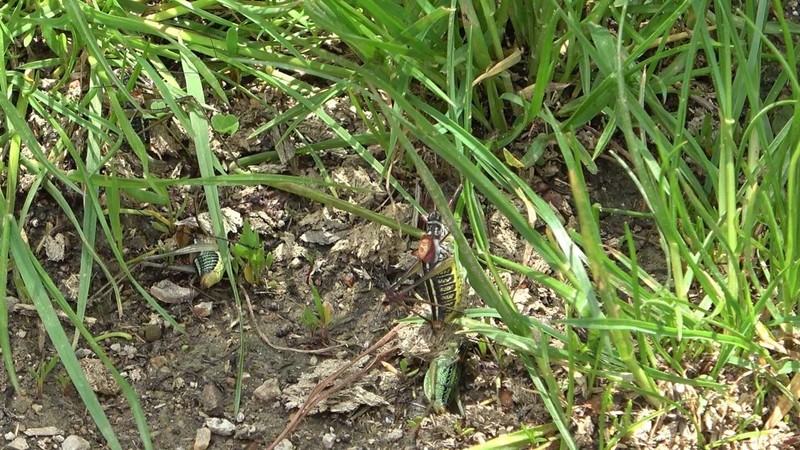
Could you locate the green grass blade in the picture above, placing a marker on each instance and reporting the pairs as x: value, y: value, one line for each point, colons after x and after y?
x: 30, y: 276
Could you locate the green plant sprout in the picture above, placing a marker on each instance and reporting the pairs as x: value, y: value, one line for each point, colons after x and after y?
x: 319, y: 317
x: 41, y: 371
x: 250, y: 257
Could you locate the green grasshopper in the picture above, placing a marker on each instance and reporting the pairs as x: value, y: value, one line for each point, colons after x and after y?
x: 443, y: 378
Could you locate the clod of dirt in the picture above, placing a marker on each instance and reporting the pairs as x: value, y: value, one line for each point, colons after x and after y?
x: 269, y: 391
x: 232, y: 221
x: 202, y: 439
x: 54, y: 247
x: 324, y: 219
x: 219, y: 426
x: 152, y: 332
x: 374, y: 243
x: 99, y: 377
x: 416, y: 340
x: 248, y: 432
x: 320, y: 237
x: 345, y: 400
x: 170, y: 293
x: 358, y: 177
x: 265, y: 223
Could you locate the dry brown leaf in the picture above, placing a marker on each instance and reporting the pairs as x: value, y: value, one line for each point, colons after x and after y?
x: 784, y: 404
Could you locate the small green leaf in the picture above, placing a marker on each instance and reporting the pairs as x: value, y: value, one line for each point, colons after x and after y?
x: 225, y: 123
x: 249, y: 237
x: 512, y: 160
x: 536, y: 150
x: 309, y: 319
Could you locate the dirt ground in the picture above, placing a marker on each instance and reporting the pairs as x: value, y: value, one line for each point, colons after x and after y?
x: 185, y: 381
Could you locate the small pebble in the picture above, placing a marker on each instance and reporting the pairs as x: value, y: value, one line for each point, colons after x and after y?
x: 42, y: 431
x: 328, y: 439
x: 11, y: 302
x: 269, y: 391
x: 73, y: 442
x: 211, y: 399
x: 247, y: 432
x: 158, y: 361
x: 394, y: 435
x: 18, y: 444
x: 284, y: 445
x: 222, y: 427
x: 202, y: 439
x: 203, y: 309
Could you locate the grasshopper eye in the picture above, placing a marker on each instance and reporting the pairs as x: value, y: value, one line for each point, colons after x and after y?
x: 435, y: 227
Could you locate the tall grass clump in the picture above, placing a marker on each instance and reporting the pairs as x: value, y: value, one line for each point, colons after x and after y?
x: 716, y: 182
x: 464, y: 82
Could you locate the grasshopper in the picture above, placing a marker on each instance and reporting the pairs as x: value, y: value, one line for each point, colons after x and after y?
x: 440, y: 273
x: 443, y: 378
x: 210, y: 266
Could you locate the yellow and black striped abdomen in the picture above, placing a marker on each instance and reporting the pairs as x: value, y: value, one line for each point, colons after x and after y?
x: 444, y: 290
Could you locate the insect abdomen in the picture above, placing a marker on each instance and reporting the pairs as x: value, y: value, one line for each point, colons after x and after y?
x: 209, y: 267
x: 444, y: 292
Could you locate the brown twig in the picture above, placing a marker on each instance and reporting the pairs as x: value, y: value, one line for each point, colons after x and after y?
x: 320, y: 392
x: 320, y: 351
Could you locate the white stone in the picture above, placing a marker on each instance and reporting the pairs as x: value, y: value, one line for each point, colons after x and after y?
x: 18, y: 444
x: 73, y: 442
x: 328, y: 439
x: 222, y: 427
x: 43, y: 431
x: 284, y: 445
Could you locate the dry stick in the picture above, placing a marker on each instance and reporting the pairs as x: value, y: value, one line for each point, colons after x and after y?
x: 319, y: 393
x: 30, y: 310
x: 321, y: 351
